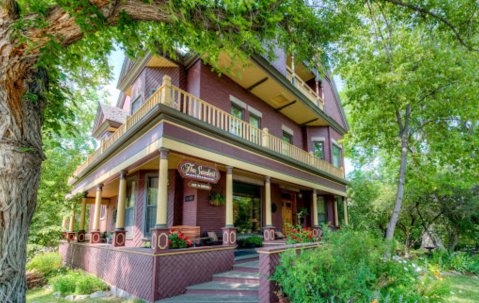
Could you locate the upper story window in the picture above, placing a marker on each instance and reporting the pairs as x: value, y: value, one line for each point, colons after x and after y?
x: 336, y: 156
x: 136, y: 104
x: 238, y: 113
x: 319, y: 149
x: 288, y: 138
x: 254, y: 121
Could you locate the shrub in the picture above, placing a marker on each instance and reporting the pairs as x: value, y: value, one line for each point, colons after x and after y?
x: 45, y: 263
x: 458, y: 261
x: 256, y: 240
x: 178, y: 240
x: 357, y: 266
x: 78, y: 282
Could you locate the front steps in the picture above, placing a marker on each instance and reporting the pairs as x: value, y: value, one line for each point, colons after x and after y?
x: 239, y: 285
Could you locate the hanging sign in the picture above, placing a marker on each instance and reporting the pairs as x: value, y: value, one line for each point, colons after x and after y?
x: 200, y: 172
x: 198, y: 185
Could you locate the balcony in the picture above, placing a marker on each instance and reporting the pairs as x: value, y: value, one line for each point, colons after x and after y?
x: 304, y: 88
x: 188, y: 104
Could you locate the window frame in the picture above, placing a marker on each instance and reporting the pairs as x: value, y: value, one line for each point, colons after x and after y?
x: 323, y: 198
x: 129, y: 235
x: 147, y: 233
x: 322, y: 149
x: 235, y: 128
x: 255, y: 117
x: 139, y: 98
x: 287, y: 135
x: 334, y: 145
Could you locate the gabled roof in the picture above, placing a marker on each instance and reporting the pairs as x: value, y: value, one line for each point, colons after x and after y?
x: 108, y: 116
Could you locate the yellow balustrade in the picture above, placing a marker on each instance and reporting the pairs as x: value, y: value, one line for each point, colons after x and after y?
x: 304, y: 88
x: 188, y: 104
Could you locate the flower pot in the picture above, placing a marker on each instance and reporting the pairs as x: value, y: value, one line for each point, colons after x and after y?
x: 215, y: 203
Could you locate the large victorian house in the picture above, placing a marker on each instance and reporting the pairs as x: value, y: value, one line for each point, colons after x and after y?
x: 233, y: 155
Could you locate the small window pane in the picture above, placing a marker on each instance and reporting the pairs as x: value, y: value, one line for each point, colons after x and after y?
x: 152, y: 200
x: 287, y: 138
x: 254, y: 121
x: 235, y: 124
x: 135, y: 106
x: 152, y: 191
x: 336, y: 156
x: 318, y: 150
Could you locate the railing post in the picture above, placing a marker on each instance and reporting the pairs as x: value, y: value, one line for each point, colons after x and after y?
x: 311, y: 159
x: 265, y: 137
x: 166, y: 94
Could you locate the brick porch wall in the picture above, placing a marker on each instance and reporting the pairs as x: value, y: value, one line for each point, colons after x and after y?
x: 148, y: 276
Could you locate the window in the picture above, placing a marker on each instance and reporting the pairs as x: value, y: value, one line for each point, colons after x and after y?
x: 151, y: 202
x: 246, y: 207
x: 340, y: 211
x: 152, y: 91
x: 322, y: 213
x: 336, y: 156
x: 319, y: 149
x: 135, y: 105
x: 236, y: 112
x: 256, y: 122
x: 130, y: 207
x: 288, y: 139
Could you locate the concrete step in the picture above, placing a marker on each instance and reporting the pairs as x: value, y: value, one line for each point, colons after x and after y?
x: 197, y: 298
x: 237, y: 276
x: 252, y: 266
x: 224, y: 288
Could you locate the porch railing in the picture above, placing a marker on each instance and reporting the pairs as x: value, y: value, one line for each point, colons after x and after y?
x: 186, y: 103
x: 304, y: 88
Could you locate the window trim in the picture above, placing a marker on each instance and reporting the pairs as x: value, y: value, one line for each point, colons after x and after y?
x: 134, y: 184
x: 288, y: 135
x: 144, y: 233
x: 333, y: 145
x: 152, y: 91
x: 140, y: 96
x: 255, y: 117
x: 314, y: 149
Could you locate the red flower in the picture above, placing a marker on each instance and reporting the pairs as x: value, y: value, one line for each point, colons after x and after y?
x: 172, y: 230
x: 299, y: 239
x: 304, y: 228
x: 310, y: 237
x: 287, y: 234
x: 180, y: 236
x: 293, y: 237
x: 294, y: 230
x: 309, y: 227
x: 170, y: 242
x: 189, y: 242
x: 185, y: 238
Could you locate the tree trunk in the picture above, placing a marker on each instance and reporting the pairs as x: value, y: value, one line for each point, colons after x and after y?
x: 21, y: 157
x: 400, y: 191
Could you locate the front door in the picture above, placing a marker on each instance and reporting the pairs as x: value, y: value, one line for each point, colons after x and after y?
x: 287, y: 207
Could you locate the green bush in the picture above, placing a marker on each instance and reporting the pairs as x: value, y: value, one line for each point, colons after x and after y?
x: 78, y: 282
x: 256, y: 240
x: 45, y: 263
x: 357, y: 266
x: 458, y: 261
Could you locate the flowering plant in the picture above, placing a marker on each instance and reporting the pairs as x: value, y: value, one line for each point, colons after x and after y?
x: 298, y: 234
x: 178, y: 240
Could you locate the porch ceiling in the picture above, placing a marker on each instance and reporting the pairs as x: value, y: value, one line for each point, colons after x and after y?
x: 270, y: 91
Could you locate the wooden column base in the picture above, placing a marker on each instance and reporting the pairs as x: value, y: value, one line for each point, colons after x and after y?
x: 160, y: 237
x: 268, y: 233
x: 119, y: 238
x: 81, y: 236
x: 71, y: 236
x: 95, y: 237
x: 229, y: 235
x: 316, y: 233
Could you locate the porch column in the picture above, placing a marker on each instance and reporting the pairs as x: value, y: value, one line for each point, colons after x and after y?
x: 95, y: 232
x: 316, y: 230
x: 345, y: 206
x: 229, y: 231
x: 81, y: 230
x: 119, y: 234
x: 160, y: 233
x: 268, y: 230
x: 336, y: 220
x: 64, y: 227
x: 71, y: 228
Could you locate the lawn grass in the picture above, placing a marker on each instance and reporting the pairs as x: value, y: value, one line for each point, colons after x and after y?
x: 465, y: 289
x: 42, y: 295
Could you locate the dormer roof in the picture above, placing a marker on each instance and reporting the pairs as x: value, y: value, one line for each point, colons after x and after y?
x: 108, y: 118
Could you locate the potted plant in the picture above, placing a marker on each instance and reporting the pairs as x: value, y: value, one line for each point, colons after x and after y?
x: 103, y: 237
x: 217, y: 199
x: 254, y: 241
x: 178, y: 240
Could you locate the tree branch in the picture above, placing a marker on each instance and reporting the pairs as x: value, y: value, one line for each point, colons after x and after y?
x: 425, y: 11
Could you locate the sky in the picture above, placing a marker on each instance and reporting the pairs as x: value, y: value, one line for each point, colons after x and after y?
x: 116, y: 60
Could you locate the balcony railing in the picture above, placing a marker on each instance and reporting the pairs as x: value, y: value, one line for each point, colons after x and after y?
x: 188, y: 104
x: 304, y: 88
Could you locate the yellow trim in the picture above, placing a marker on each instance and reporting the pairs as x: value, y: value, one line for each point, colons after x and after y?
x: 210, y: 156
x: 151, y: 254
x: 243, y: 149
